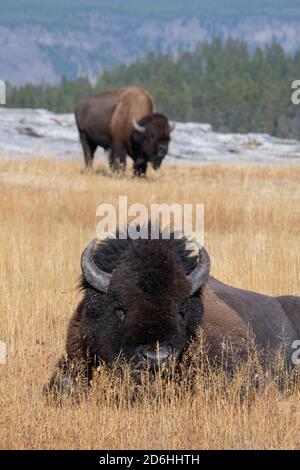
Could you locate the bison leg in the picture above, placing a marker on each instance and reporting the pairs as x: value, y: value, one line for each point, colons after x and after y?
x: 117, y: 158
x: 73, y: 372
x: 139, y: 168
x: 69, y: 380
x: 111, y: 160
x: 89, y: 149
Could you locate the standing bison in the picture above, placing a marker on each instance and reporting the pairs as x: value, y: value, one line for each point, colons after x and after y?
x: 124, y: 121
x: 145, y: 300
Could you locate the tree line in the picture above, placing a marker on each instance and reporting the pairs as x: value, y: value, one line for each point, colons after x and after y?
x: 222, y: 83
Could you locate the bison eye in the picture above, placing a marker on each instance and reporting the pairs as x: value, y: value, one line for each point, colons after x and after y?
x: 120, y: 313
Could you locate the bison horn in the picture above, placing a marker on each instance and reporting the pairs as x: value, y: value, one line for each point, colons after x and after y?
x: 199, y: 276
x: 95, y: 277
x: 137, y: 127
x: 172, y: 126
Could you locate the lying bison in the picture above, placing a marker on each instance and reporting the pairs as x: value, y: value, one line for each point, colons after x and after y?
x: 125, y: 122
x: 144, y: 301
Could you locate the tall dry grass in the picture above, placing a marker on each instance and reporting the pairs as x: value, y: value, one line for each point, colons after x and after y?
x: 47, y: 213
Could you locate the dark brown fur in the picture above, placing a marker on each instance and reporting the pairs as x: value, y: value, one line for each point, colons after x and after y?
x: 149, y: 285
x: 106, y: 120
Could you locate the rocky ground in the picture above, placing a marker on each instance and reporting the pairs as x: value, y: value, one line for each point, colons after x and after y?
x: 26, y: 133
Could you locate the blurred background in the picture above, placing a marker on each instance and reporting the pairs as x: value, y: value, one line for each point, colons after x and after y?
x: 228, y: 63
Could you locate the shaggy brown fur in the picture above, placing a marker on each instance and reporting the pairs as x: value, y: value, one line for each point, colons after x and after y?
x: 149, y: 302
x: 107, y: 120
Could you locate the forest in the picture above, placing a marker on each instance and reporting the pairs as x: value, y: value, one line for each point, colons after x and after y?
x: 221, y: 83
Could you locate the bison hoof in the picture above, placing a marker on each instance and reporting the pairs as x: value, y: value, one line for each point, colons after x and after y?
x: 136, y: 174
x: 61, y: 387
x: 88, y: 170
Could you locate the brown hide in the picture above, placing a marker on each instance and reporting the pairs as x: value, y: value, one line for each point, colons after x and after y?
x: 267, y: 318
x: 134, y: 103
x: 107, y: 117
x: 222, y: 326
x: 74, y: 335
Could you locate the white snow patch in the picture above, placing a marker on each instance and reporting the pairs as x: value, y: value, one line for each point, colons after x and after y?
x: 40, y: 133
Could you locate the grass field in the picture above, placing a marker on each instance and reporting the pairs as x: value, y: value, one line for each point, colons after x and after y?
x: 47, y: 211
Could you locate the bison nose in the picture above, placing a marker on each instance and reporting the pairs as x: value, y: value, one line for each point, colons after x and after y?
x: 162, y: 150
x: 156, y: 357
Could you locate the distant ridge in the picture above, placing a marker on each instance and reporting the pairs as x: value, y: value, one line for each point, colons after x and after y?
x: 40, y: 41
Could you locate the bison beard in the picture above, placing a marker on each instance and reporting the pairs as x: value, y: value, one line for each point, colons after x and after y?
x: 148, y: 311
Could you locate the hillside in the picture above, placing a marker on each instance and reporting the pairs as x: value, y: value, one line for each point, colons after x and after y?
x: 40, y: 42
x: 224, y: 85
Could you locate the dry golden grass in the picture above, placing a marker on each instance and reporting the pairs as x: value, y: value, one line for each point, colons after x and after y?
x: 47, y: 217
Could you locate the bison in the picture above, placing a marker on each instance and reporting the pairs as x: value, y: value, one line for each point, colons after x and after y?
x: 146, y: 300
x: 125, y: 122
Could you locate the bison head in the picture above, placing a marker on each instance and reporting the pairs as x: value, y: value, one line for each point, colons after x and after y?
x: 142, y: 299
x: 150, y: 141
